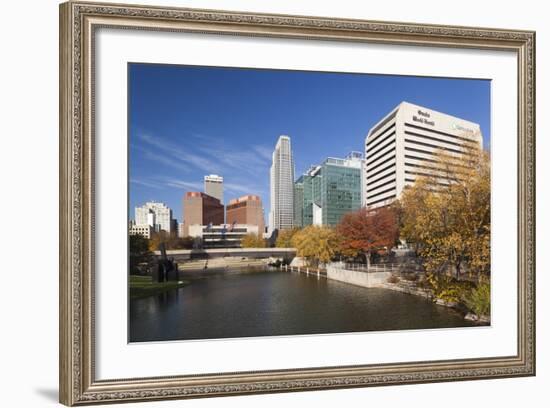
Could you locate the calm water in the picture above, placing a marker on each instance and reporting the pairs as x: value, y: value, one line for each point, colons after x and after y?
x: 279, y: 303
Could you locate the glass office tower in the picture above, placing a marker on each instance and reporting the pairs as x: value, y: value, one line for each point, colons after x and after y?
x: 298, y: 202
x: 329, y: 190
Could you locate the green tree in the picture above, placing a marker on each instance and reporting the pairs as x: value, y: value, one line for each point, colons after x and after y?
x: 478, y: 300
x: 253, y: 241
x: 139, y: 252
x: 316, y: 244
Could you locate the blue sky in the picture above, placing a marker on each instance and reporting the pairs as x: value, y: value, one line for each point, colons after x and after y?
x: 186, y: 122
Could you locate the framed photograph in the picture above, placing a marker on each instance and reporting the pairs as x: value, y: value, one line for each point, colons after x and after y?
x: 255, y: 203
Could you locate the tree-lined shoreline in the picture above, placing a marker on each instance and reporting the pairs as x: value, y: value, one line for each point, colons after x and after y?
x: 443, y: 218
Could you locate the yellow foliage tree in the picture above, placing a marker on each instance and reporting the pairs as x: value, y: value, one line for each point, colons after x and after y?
x: 169, y: 241
x: 284, y: 238
x: 157, y: 238
x: 316, y: 244
x: 446, y: 213
x: 252, y: 241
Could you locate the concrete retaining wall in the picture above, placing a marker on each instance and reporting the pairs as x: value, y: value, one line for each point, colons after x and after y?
x: 365, y: 279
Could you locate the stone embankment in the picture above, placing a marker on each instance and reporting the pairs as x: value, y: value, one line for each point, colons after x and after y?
x: 412, y: 288
x: 409, y: 287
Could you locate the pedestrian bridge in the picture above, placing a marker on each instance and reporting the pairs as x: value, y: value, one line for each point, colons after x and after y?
x: 254, y: 253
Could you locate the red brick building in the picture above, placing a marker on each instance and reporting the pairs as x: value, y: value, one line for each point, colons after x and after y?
x: 201, y: 209
x: 247, y: 210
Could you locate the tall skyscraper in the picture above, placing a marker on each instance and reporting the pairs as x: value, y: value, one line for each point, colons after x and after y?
x: 328, y: 191
x: 405, y: 144
x: 156, y: 215
x: 282, y: 186
x: 213, y: 186
x: 246, y: 210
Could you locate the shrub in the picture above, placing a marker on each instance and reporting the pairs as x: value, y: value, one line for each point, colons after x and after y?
x: 393, y: 279
x: 422, y: 284
x: 411, y: 277
x: 478, y: 299
x: 446, y: 288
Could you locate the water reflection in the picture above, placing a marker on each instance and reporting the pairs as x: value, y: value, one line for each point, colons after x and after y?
x: 267, y: 303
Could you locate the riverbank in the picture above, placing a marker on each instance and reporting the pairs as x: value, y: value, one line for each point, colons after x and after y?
x: 409, y: 283
x: 412, y: 288
x: 143, y: 286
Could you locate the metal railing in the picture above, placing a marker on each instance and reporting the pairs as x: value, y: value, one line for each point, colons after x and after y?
x: 396, y: 268
x: 305, y: 269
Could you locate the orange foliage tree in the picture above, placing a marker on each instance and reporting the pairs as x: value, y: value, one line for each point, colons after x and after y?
x: 365, y: 231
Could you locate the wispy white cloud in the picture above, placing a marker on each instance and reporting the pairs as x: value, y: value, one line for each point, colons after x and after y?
x: 191, y: 185
x: 245, y: 171
x: 183, y: 155
x: 163, y: 182
x: 243, y: 160
x: 239, y: 188
x: 162, y: 159
x: 146, y: 183
x: 263, y: 151
x: 212, y: 155
x: 203, y: 137
x: 234, y: 188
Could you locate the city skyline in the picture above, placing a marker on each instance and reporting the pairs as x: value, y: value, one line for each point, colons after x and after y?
x: 190, y: 122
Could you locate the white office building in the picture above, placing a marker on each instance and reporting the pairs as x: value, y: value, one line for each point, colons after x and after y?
x: 157, y: 215
x: 213, y: 186
x: 143, y: 230
x: 404, y: 145
x: 181, y: 230
x: 282, y: 186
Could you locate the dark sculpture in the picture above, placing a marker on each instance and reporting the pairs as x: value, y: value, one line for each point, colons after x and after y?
x: 272, y: 240
x: 166, y: 269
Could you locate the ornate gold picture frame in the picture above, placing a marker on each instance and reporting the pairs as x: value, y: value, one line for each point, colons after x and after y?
x: 78, y: 24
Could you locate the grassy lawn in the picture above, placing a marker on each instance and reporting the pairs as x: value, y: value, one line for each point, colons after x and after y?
x: 142, y: 286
